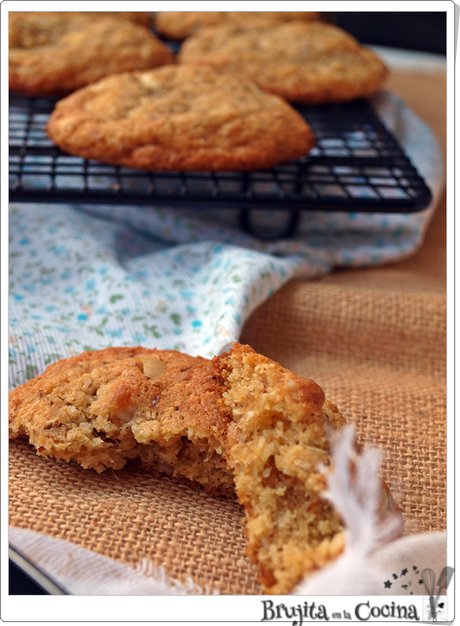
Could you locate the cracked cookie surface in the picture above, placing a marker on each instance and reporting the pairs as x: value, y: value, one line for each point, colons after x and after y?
x: 311, y: 63
x: 57, y: 52
x: 179, y: 117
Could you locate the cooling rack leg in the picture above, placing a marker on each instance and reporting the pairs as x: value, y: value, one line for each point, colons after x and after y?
x: 263, y: 229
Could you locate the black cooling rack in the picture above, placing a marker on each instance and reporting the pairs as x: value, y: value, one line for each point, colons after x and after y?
x: 357, y: 165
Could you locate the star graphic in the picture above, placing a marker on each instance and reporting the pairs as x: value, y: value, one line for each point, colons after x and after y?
x: 387, y: 584
x: 395, y: 576
x: 420, y: 582
x: 404, y: 572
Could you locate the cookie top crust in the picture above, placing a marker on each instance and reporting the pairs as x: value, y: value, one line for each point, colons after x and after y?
x: 57, y: 53
x: 310, y: 63
x: 139, y: 17
x: 98, y: 407
x: 178, y: 25
x: 179, y: 117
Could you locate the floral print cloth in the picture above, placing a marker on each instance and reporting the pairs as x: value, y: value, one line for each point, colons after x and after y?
x: 89, y: 277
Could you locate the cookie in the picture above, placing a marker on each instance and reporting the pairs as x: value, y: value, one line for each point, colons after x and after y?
x: 178, y: 25
x: 106, y: 407
x: 237, y: 424
x: 57, y: 53
x: 179, y: 117
x: 304, y: 62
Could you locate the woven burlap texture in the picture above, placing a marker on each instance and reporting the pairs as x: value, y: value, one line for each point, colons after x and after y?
x: 380, y: 356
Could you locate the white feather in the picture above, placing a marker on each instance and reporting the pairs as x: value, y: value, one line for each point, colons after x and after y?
x: 356, y: 498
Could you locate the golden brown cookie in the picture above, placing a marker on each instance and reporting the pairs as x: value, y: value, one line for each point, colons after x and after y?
x: 178, y: 25
x: 239, y: 423
x: 179, y: 117
x: 105, y: 407
x: 56, y: 53
x: 304, y: 62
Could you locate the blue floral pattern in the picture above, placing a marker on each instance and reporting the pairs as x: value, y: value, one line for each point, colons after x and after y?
x: 97, y: 276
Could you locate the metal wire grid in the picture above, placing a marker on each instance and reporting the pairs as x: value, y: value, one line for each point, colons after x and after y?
x: 356, y: 162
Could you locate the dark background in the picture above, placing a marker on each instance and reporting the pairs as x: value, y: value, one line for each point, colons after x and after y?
x: 425, y: 32
x: 21, y: 584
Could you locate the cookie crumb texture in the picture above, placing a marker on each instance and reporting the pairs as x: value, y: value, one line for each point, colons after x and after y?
x: 277, y: 440
x: 179, y: 118
x: 239, y: 423
x: 57, y: 53
x: 304, y: 62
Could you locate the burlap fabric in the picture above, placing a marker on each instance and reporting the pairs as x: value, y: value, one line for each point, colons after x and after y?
x: 375, y: 340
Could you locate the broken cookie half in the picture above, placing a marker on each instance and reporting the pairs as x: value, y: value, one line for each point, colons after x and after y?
x: 239, y: 423
x: 106, y: 407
